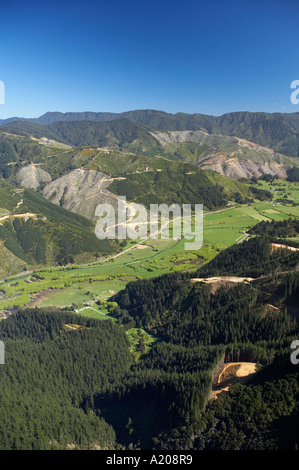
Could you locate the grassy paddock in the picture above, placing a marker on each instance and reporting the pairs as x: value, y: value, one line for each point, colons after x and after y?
x: 99, y: 281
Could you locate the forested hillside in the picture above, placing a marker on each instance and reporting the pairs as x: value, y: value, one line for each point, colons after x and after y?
x: 142, y: 179
x: 282, y: 232
x: 51, y: 368
x: 101, y: 134
x: 198, y: 327
x: 278, y: 130
x: 39, y: 232
x: 181, y: 186
x: 253, y: 259
x: 98, y: 394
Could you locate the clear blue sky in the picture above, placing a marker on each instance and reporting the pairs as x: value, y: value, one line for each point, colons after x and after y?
x: 117, y: 55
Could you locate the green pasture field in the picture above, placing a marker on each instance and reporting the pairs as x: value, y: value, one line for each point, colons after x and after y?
x: 78, y: 294
x: 140, y: 342
x: 62, y: 287
x: 78, y: 284
x: 94, y: 313
x: 228, y: 226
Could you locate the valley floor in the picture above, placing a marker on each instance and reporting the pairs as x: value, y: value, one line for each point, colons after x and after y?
x: 79, y: 285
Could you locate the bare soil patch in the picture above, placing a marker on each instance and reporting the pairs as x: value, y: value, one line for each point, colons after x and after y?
x: 217, y: 282
x: 277, y: 246
x: 232, y: 373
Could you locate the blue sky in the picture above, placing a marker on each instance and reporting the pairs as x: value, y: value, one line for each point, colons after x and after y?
x: 191, y: 56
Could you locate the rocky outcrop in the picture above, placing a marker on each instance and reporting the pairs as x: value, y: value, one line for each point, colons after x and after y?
x: 238, y: 168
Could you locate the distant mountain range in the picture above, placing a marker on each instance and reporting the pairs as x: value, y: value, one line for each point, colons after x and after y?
x: 79, y: 160
x: 279, y: 131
